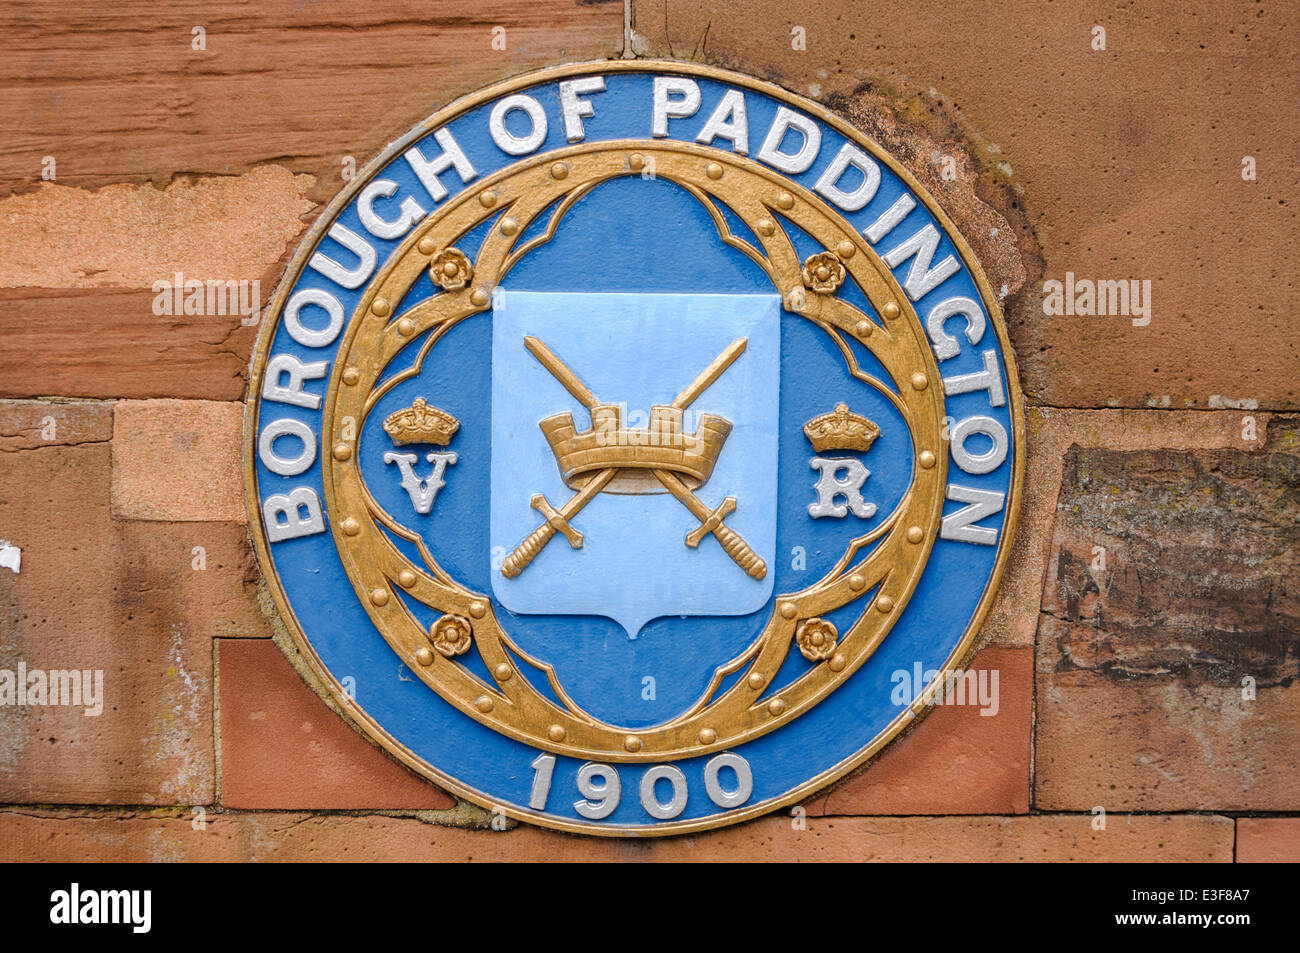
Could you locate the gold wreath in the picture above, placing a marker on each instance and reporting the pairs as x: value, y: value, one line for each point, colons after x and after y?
x: 514, y: 197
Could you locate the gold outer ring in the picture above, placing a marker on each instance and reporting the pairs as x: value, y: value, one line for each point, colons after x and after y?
x: 359, y: 717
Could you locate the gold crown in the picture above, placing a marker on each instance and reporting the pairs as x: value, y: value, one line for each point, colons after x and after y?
x: 841, y: 430
x: 421, y: 423
x: 635, y: 451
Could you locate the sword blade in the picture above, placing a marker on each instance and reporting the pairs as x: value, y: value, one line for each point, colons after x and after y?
x: 733, y: 544
x: 560, y: 371
x: 674, y: 485
x: 588, y: 491
x: 711, y: 373
x: 523, y: 555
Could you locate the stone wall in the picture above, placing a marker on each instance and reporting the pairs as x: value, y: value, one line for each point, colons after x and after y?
x: 1147, y: 633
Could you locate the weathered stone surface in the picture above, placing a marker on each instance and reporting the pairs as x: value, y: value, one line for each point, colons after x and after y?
x: 1126, y: 163
x: 178, y: 460
x: 124, y: 599
x: 283, y: 749
x: 27, y: 424
x: 1142, y: 659
x: 81, y: 314
x: 1268, y: 840
x: 1050, y: 431
x: 220, y: 138
x: 27, y: 834
x: 957, y: 760
x: 107, y: 342
x: 303, y: 85
x: 218, y: 227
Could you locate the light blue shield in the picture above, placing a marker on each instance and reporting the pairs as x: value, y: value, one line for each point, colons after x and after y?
x: 634, y: 352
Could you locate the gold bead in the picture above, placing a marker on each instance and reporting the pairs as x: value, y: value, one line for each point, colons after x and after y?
x: 846, y: 249
x: 857, y: 583
x: 351, y: 375
x: 406, y: 327
x: 789, y: 610
x: 424, y: 656
x: 342, y: 451
x: 427, y: 246
x: 891, y: 310
x: 478, y: 297
x: 837, y: 662
x: 756, y: 680
x: 406, y: 579
x: 350, y: 527
x: 927, y: 459
x: 776, y: 706
x: 380, y: 306
x: 914, y: 534
x: 555, y: 733
x: 862, y: 329
x: 559, y: 170
x: 483, y: 704
x: 920, y: 381
x: 635, y: 161
x: 785, y: 200
x: 379, y: 597
x: 487, y: 199
x: 713, y: 170
x: 708, y: 736
x: 885, y: 604
x: 632, y: 743
x: 765, y: 226
x: 509, y: 226
x: 502, y: 672
x: 450, y: 268
x: 477, y: 610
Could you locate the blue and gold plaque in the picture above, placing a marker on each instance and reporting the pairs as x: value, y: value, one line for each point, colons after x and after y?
x: 616, y: 438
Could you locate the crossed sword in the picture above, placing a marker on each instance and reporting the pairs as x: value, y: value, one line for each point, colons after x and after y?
x: 711, y: 520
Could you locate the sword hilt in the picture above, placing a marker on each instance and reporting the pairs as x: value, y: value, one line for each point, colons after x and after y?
x: 711, y: 522
x: 557, y: 520
x: 732, y: 543
x: 739, y: 551
x: 536, y: 541
x: 527, y: 551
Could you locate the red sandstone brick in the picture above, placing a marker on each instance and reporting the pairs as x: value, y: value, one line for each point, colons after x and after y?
x: 302, y: 84
x: 1268, y: 840
x: 122, y: 598
x: 282, y: 748
x: 956, y: 761
x: 1050, y: 431
x: 178, y: 460
x: 62, y: 836
x: 1141, y: 662
x: 27, y: 424
x: 107, y: 342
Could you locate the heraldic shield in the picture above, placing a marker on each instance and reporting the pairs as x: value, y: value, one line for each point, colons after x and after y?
x: 639, y: 431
